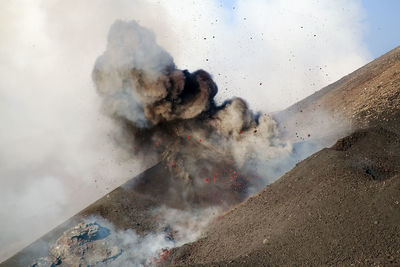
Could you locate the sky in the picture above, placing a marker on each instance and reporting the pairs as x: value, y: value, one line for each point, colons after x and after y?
x: 56, y: 156
x: 382, y: 25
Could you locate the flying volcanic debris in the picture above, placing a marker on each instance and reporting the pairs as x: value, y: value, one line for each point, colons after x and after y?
x: 214, y: 149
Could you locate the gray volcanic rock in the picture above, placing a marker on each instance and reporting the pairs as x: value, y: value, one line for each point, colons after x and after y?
x: 86, y: 244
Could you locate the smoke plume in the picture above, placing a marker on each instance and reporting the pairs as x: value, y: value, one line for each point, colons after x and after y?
x: 56, y: 156
x: 172, y: 113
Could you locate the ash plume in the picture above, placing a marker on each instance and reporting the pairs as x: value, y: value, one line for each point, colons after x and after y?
x: 56, y: 145
x: 172, y: 113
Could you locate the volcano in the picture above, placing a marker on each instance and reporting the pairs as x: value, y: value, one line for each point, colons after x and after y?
x: 340, y: 206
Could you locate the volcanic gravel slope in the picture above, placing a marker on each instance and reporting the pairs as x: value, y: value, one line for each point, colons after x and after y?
x: 340, y: 206
x: 363, y: 98
x: 127, y: 207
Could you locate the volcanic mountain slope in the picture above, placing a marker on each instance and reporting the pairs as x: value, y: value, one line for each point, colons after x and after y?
x: 363, y: 98
x: 129, y: 206
x: 340, y: 206
x: 125, y: 207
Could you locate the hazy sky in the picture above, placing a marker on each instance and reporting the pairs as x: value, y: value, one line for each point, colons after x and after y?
x: 56, y: 156
x: 382, y: 22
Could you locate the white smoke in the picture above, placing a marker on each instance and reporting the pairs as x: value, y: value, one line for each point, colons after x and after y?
x: 130, y: 47
x: 176, y: 227
x: 270, y: 52
x: 56, y: 156
x: 110, y: 246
